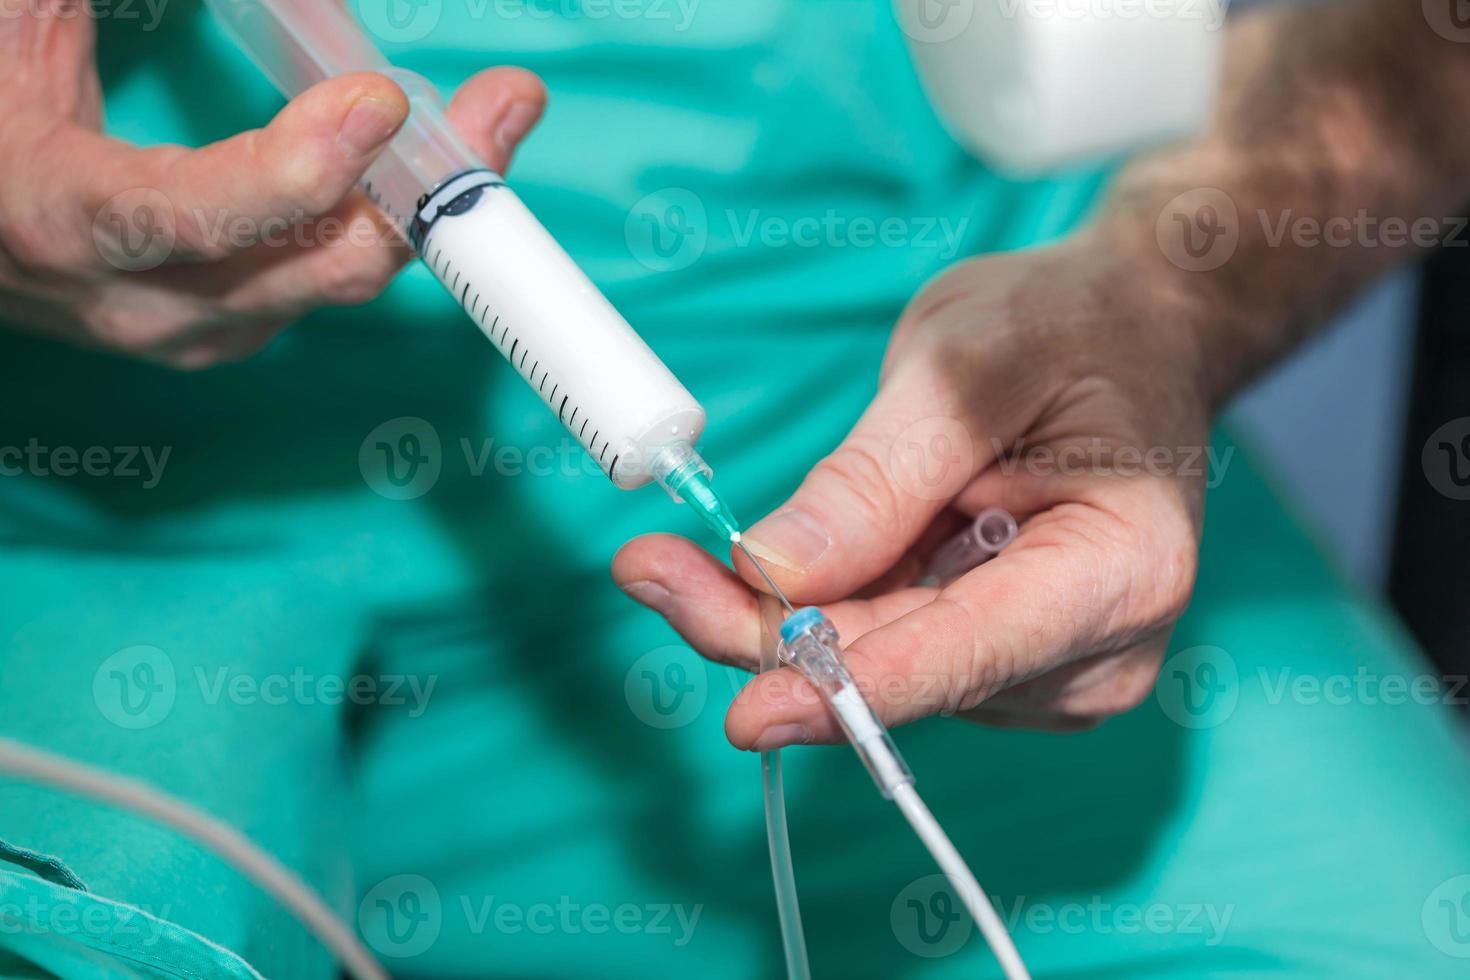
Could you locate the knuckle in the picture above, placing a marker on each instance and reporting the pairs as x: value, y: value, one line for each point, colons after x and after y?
x: 989, y: 666
x: 305, y: 180
x: 37, y: 249
x: 1128, y: 682
x: 302, y: 177
x: 857, y: 471
x: 201, y: 245
x: 220, y: 345
x: 1160, y: 560
x: 128, y: 330
x: 1176, y: 569
x: 183, y: 361
x: 23, y: 247
x: 351, y: 279
x: 1132, y: 687
x: 234, y: 354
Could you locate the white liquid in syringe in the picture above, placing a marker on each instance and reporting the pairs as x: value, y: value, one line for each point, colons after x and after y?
x: 555, y: 327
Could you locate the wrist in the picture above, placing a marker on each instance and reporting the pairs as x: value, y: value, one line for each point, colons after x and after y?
x: 1157, y: 321
x: 1173, y: 264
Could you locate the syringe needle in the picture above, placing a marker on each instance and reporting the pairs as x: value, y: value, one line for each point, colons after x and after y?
x: 686, y: 477
x: 775, y: 589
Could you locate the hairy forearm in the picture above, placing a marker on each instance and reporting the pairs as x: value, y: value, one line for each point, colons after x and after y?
x: 1340, y: 148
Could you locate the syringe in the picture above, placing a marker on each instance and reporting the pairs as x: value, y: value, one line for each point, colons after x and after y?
x: 520, y: 287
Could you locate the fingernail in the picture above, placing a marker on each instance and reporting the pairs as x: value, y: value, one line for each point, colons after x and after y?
x: 780, y: 736
x: 651, y: 594
x: 369, y: 124
x: 792, y: 539
x: 516, y: 124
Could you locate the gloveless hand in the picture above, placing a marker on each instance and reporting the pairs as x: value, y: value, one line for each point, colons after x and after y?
x: 1052, y: 383
x: 194, y: 256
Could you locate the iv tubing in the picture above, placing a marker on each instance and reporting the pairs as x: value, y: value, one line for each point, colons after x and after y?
x: 240, y: 852
x: 963, y: 880
x: 783, y: 874
x: 809, y: 642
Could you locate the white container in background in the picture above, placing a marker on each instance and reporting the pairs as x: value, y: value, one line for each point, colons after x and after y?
x: 1028, y: 85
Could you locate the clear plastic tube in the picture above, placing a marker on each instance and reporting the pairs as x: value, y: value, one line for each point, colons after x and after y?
x: 298, y: 44
x: 963, y: 880
x: 809, y: 642
x: 783, y: 872
x: 991, y: 531
x: 268, y: 874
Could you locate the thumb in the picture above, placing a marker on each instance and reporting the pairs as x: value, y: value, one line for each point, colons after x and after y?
x: 215, y: 200
x: 863, y: 506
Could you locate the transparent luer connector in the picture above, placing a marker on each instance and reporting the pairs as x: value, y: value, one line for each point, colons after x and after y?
x: 809, y: 643
x: 686, y: 477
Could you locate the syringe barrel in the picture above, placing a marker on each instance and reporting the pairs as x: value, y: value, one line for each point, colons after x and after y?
x: 557, y: 329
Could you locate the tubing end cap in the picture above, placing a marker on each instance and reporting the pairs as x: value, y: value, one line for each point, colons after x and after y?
x: 799, y: 622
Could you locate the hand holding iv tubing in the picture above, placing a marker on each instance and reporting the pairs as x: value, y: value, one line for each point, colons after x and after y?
x: 809, y: 642
x: 997, y: 360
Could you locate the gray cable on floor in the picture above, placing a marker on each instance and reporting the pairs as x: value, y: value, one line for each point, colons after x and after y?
x: 273, y: 878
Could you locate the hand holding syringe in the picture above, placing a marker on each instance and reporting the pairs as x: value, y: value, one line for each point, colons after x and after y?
x: 511, y: 277
x: 566, y: 341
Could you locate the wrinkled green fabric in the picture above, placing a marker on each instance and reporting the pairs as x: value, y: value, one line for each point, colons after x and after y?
x: 530, y: 778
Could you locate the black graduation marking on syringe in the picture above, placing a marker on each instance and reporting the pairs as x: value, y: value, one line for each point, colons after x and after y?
x: 456, y: 196
x: 377, y: 199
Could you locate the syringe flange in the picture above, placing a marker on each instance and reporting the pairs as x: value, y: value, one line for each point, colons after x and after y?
x: 452, y: 197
